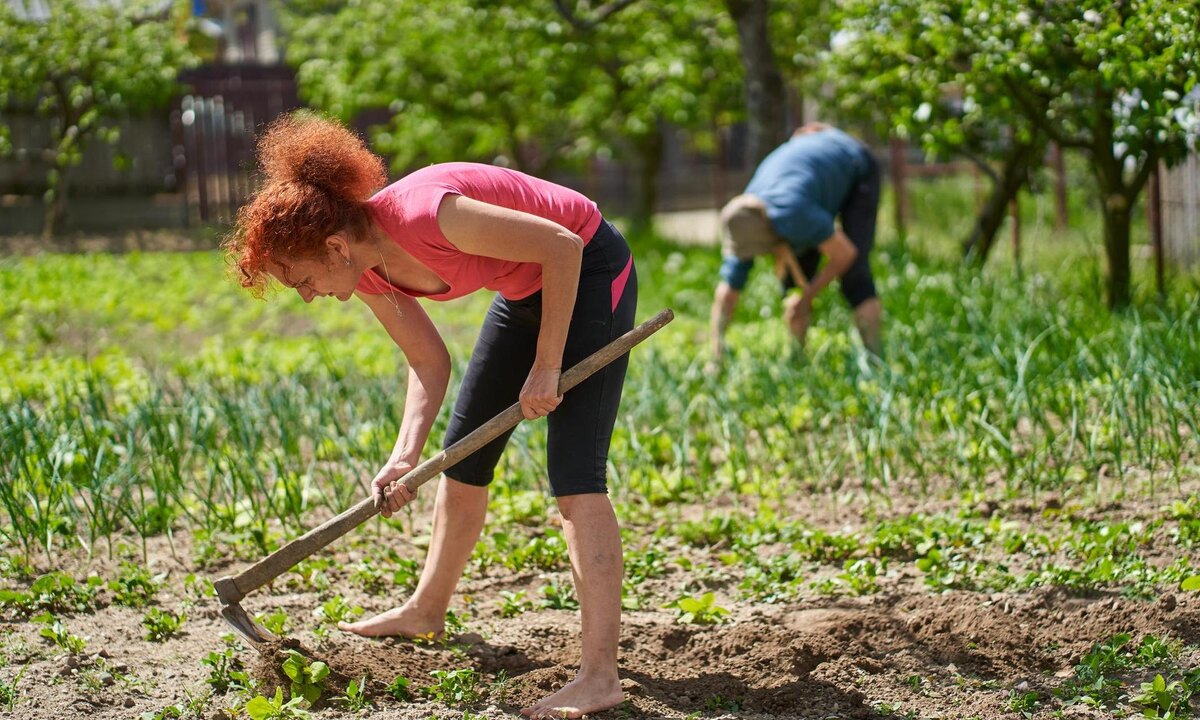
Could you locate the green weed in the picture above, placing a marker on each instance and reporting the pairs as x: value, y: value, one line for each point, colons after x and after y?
x: 453, y: 687
x: 162, y: 624
x: 701, y: 610
x: 308, y: 679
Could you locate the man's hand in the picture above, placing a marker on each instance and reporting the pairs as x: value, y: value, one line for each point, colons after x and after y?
x: 797, y: 312
x: 388, y: 492
x: 540, y: 394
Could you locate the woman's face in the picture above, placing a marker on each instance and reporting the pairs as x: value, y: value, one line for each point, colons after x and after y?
x: 333, y: 275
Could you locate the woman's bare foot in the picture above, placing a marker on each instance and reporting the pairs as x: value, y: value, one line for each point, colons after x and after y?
x: 405, y: 621
x: 578, y: 698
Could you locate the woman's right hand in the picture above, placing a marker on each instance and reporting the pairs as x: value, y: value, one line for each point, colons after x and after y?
x: 388, y: 492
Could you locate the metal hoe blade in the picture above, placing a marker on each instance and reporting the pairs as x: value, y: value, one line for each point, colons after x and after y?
x: 231, y: 610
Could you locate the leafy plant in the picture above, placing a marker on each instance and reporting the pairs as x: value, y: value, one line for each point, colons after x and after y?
x: 398, y: 688
x: 57, y: 633
x: 514, y: 603
x: 225, y: 671
x: 699, y: 611
x: 1026, y: 703
x: 135, y: 587
x: 558, y: 596
x: 53, y: 592
x: 335, y: 610
x: 356, y: 698
x: 274, y: 708
x: 308, y: 679
x: 368, y: 578
x: 8, y: 690
x: 276, y: 621
x: 1162, y: 699
x: 162, y: 624
x: 453, y: 687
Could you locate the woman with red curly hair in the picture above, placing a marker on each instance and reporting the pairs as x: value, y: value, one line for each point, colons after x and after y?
x: 565, y: 287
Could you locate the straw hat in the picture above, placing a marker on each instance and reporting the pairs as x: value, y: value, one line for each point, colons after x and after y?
x: 745, y: 230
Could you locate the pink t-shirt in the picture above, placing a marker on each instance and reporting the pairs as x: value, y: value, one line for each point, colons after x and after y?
x: 407, y: 211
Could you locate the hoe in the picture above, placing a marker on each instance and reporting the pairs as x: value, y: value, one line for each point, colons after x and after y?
x: 231, y: 590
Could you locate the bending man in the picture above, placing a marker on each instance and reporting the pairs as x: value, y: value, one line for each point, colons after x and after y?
x: 788, y: 212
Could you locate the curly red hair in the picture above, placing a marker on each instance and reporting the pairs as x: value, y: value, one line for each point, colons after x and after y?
x: 319, y: 175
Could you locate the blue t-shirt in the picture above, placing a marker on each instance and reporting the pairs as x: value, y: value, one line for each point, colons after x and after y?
x: 803, y: 183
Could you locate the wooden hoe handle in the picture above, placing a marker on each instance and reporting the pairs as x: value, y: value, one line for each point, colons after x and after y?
x: 278, y: 562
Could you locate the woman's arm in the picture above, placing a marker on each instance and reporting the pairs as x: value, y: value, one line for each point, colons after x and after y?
x: 479, y: 228
x: 428, y: 375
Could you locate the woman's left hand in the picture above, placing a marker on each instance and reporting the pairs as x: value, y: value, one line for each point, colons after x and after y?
x: 540, y: 394
x: 388, y: 492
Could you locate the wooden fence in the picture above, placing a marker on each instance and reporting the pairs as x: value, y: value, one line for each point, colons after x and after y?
x: 1180, y: 198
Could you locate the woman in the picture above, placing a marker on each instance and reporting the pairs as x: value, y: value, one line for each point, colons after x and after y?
x: 566, y: 287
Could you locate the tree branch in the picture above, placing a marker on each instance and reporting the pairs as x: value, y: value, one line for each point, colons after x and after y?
x: 984, y: 166
x: 601, y: 14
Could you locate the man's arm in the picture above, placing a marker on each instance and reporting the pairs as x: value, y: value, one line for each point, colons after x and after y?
x: 735, y: 274
x: 797, y: 310
x: 841, y: 254
x: 725, y: 301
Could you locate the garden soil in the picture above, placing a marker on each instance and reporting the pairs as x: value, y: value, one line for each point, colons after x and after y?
x: 904, y: 651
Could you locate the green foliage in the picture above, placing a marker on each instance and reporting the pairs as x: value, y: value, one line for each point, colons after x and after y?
x: 84, y: 66
x: 701, y: 610
x: 308, y: 679
x: 522, y: 83
x: 162, y: 624
x: 57, y: 633
x: 558, y: 596
x: 453, y: 687
x: 226, y: 671
x: 514, y: 603
x: 276, y: 621
x: 1099, y: 677
x: 979, y: 76
x: 356, y: 699
x: 1160, y: 699
x: 53, y: 592
x: 274, y: 708
x: 1025, y: 703
x: 336, y: 610
x: 398, y: 689
x: 135, y: 587
x: 368, y: 578
x: 9, y: 695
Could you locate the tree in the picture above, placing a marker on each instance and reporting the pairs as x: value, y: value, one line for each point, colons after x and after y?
x: 490, y: 82
x: 534, y: 83
x: 83, y: 66
x: 766, y: 98
x: 1106, y: 78
x: 909, y: 67
x: 664, y: 65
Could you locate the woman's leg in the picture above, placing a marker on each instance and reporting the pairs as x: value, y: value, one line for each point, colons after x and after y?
x: 458, y: 516
x: 579, y: 431
x: 594, y: 543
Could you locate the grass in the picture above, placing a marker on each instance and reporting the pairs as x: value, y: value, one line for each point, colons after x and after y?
x: 144, y: 393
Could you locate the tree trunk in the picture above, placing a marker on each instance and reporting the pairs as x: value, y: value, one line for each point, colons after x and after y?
x: 56, y: 208
x: 649, y: 163
x: 1116, y: 247
x: 979, y: 243
x: 766, y: 99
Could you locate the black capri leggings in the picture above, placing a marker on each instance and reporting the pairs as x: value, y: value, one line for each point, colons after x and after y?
x: 858, y: 222
x: 580, y: 428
